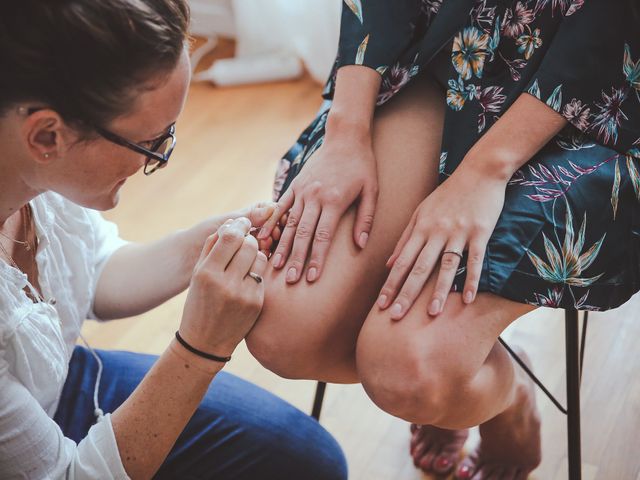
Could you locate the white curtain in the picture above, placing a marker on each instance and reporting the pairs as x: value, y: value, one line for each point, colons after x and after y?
x: 308, y: 29
x: 275, y: 38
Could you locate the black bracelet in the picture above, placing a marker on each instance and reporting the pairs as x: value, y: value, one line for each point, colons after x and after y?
x: 200, y: 353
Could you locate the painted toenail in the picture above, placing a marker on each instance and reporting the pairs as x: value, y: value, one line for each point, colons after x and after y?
x: 442, y: 463
x: 464, y: 472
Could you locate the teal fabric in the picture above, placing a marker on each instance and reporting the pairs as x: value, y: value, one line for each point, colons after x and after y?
x: 569, y: 234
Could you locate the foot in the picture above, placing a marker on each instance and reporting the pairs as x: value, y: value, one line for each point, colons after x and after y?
x: 509, y: 446
x: 436, y: 450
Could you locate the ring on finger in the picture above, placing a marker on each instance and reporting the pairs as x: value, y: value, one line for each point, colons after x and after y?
x: 459, y: 254
x: 255, y: 276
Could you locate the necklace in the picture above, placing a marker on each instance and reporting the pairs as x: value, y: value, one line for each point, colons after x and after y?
x: 9, y: 257
x: 27, y: 221
x: 27, y: 224
x: 26, y: 245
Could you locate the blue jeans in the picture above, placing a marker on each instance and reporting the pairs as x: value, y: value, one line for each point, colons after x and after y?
x: 239, y: 431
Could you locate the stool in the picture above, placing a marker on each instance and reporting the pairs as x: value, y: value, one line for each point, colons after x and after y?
x: 574, y: 351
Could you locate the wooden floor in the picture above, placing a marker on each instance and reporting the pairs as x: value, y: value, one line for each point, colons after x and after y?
x: 229, y: 141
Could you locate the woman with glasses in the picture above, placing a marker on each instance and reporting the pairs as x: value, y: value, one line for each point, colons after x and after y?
x: 474, y: 159
x: 89, y: 95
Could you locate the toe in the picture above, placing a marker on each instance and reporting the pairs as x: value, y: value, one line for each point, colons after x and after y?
x: 448, y: 457
x: 465, y: 470
x: 419, y: 452
x: 426, y: 462
x: 416, y: 439
x: 418, y: 435
x: 443, y: 464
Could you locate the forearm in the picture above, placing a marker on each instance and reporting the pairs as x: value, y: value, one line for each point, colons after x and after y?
x: 139, y: 277
x: 148, y: 423
x: 354, y: 101
x: 526, y: 127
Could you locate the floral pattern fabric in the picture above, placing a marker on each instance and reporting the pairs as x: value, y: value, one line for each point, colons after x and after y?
x: 569, y: 234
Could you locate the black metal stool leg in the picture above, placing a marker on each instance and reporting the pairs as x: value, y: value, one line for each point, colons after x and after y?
x: 574, y: 349
x: 317, y: 402
x: 573, y: 393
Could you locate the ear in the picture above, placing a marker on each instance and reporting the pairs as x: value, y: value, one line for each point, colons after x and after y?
x: 46, y: 135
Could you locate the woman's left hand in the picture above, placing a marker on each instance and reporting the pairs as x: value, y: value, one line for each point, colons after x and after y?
x: 258, y: 213
x: 458, y: 215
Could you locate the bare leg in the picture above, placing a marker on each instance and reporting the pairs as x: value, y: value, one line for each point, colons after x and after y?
x: 310, y: 331
x: 423, y: 370
x: 449, y: 372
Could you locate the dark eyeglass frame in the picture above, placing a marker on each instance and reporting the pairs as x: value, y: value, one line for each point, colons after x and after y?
x: 154, y: 160
x: 151, y: 154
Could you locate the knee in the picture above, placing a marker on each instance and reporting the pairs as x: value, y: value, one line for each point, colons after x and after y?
x: 296, y: 342
x: 281, y: 353
x: 408, y: 382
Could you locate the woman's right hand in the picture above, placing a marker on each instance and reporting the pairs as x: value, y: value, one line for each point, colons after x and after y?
x: 341, y: 173
x: 223, y: 301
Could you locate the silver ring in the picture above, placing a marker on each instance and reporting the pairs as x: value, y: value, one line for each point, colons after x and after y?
x: 453, y: 252
x: 255, y: 276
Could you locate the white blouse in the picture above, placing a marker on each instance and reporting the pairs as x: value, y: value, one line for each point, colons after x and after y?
x: 37, y: 340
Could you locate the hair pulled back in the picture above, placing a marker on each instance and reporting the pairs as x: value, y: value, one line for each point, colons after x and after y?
x: 87, y: 59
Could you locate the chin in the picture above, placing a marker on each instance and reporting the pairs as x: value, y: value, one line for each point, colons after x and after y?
x: 109, y: 202
x: 102, y: 203
x: 100, y: 199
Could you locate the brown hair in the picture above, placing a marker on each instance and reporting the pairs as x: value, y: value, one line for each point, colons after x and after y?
x: 87, y: 59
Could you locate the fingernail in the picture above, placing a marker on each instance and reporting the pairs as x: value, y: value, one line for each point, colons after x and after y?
x: 468, y: 296
x: 364, y: 236
x: 265, y: 209
x: 312, y: 274
x: 261, y: 233
x: 434, y: 309
x: 292, y: 274
x: 277, y: 260
x: 396, y: 310
x: 382, y: 301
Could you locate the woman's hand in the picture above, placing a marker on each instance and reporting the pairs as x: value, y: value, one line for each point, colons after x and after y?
x: 460, y: 214
x: 342, y: 172
x: 223, y: 301
x: 258, y: 214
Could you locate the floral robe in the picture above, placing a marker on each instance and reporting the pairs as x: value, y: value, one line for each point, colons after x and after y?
x: 569, y: 234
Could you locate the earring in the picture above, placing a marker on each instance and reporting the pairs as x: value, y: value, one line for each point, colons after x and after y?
x: 46, y: 155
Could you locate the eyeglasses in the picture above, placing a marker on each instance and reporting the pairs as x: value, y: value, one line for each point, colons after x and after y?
x: 157, y: 155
